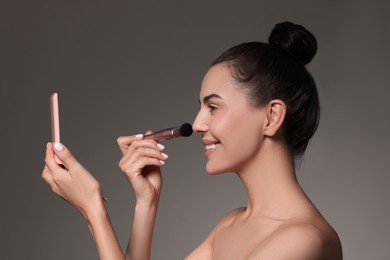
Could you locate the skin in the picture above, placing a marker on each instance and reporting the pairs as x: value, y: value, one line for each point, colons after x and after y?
x: 140, y: 164
x: 279, y: 221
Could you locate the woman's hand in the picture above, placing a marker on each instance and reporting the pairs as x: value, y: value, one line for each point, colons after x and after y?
x: 77, y: 186
x: 71, y: 181
x: 141, y: 164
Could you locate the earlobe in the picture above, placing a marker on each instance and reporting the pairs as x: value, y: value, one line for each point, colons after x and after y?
x: 276, y: 113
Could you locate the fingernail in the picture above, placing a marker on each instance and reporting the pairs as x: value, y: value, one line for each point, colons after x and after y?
x: 162, y: 162
x: 162, y: 147
x: 58, y: 147
x: 164, y: 155
x: 139, y: 136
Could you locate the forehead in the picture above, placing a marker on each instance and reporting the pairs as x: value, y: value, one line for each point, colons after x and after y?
x: 218, y: 80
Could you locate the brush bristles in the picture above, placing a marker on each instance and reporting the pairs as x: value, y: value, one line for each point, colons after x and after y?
x: 184, y: 130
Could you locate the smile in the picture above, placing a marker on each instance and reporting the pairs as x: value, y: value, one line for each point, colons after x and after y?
x: 211, y: 146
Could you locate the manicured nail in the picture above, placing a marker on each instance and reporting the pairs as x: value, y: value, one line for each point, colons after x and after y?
x: 162, y: 162
x: 162, y: 147
x: 164, y: 155
x: 59, y: 147
x: 139, y: 136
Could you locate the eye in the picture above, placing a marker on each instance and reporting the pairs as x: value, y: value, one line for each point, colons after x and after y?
x: 211, y: 108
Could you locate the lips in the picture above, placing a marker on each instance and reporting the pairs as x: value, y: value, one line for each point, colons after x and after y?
x: 210, y: 146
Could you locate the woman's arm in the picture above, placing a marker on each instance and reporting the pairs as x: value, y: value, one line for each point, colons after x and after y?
x: 106, y: 241
x: 77, y: 186
x: 140, y: 241
x: 141, y: 164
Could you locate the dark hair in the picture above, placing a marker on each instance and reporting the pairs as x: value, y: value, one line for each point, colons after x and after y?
x: 276, y: 70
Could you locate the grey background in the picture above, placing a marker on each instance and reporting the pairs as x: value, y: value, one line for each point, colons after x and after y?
x: 123, y: 67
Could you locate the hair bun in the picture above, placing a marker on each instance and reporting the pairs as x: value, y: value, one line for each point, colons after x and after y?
x: 295, y: 39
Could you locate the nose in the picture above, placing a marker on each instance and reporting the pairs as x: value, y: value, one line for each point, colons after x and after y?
x: 199, y: 125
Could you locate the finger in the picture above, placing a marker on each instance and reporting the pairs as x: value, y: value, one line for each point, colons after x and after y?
x: 125, y: 141
x: 48, y: 178
x: 65, y: 156
x: 135, y: 169
x: 141, y: 148
x: 147, y: 143
x: 141, y: 152
x: 50, y: 159
x: 46, y: 175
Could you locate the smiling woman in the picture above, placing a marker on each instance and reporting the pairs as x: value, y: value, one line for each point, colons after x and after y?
x: 258, y: 110
x: 227, y: 122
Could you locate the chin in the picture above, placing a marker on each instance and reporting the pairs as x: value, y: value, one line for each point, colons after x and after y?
x: 215, y: 169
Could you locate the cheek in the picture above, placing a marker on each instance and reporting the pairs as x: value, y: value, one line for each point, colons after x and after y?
x: 246, y: 140
x: 245, y: 137
x: 225, y: 125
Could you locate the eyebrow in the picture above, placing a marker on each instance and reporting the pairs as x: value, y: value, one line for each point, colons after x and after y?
x: 207, y: 98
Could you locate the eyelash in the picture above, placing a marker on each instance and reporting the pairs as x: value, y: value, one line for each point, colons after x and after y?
x: 211, y: 108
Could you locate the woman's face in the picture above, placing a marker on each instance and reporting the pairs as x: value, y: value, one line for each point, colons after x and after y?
x: 231, y: 128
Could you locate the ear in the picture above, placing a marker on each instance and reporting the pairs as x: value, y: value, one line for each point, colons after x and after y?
x: 276, y: 112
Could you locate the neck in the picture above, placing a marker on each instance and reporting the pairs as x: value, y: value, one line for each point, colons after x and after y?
x: 271, y: 184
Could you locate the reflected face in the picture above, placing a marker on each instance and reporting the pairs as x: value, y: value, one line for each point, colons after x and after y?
x: 231, y: 128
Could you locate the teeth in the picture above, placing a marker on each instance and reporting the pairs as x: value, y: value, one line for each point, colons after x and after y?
x: 211, y: 146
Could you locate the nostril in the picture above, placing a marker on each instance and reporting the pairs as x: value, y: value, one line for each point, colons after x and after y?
x: 200, y: 128
x: 195, y: 126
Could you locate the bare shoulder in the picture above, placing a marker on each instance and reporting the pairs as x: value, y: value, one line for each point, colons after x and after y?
x: 229, y: 218
x: 300, y: 240
x: 205, y: 250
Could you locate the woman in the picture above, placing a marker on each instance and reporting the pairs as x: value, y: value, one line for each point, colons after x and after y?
x: 258, y: 110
